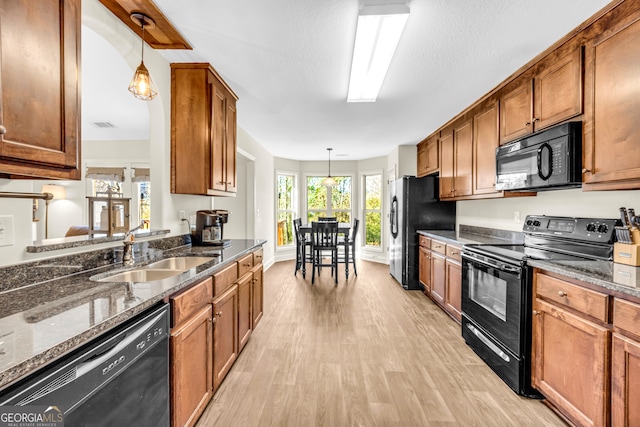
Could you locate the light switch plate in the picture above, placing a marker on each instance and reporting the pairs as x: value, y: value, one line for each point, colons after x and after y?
x: 6, y: 230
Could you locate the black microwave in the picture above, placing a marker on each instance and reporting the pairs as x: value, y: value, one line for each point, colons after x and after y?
x: 547, y: 160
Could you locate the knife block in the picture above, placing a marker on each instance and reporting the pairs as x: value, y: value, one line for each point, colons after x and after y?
x: 628, y: 253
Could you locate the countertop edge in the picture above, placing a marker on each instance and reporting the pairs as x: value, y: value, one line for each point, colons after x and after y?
x: 19, y: 371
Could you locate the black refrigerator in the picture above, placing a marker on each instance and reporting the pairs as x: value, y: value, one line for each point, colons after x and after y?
x: 414, y: 206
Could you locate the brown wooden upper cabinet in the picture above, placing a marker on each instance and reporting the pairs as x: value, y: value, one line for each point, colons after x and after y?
x: 485, y: 142
x: 611, y: 157
x: 553, y: 95
x: 456, y: 159
x: 40, y: 111
x: 428, y: 156
x: 203, y: 132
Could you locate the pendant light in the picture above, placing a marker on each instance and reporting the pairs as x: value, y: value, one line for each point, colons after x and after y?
x: 329, y: 181
x: 141, y: 85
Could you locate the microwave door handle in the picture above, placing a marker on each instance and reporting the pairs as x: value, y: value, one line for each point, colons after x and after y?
x: 550, y: 163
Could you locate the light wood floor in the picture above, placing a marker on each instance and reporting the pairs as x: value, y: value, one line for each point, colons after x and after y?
x: 363, y: 353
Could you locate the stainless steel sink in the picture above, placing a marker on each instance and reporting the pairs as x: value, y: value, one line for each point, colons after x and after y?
x: 179, y: 263
x: 141, y: 275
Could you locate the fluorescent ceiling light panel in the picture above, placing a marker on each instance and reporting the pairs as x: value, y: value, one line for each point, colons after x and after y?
x: 377, y: 35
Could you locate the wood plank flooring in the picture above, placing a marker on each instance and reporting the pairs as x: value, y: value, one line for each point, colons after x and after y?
x: 362, y: 353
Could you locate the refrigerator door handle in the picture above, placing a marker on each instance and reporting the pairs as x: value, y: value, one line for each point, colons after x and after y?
x: 394, y: 217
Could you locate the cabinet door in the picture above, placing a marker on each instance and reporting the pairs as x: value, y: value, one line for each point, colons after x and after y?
x: 571, y: 364
x: 225, y: 334
x: 423, y: 161
x: 245, y: 317
x: 424, y: 269
x: 257, y: 297
x: 453, y: 291
x: 611, y: 142
x: 516, y: 110
x: 625, y: 382
x: 39, y: 81
x: 463, y: 143
x: 433, y: 155
x: 446, y: 165
x: 558, y: 90
x: 218, y: 138
x: 485, y: 141
x: 438, y: 277
x: 230, y: 147
x: 191, y: 368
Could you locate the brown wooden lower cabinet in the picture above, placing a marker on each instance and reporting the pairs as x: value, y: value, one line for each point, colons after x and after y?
x: 438, y: 277
x: 191, y: 368
x: 257, y: 294
x: 424, y: 269
x: 245, y: 312
x: 453, y: 289
x: 225, y: 334
x: 625, y: 384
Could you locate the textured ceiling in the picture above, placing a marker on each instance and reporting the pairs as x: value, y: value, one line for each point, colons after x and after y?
x: 289, y: 62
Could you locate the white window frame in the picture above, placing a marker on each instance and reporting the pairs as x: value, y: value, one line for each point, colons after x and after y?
x: 363, y: 195
x: 295, y: 201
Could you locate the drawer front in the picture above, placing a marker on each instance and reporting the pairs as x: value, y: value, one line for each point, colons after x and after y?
x: 592, y: 303
x: 438, y: 246
x: 257, y: 257
x: 424, y: 241
x: 626, y: 316
x: 224, y: 278
x: 187, y: 302
x: 245, y: 264
x: 454, y: 252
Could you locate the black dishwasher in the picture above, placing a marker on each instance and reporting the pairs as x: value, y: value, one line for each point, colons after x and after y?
x: 119, y: 379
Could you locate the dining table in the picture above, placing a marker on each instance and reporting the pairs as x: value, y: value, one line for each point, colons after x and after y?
x: 344, y: 228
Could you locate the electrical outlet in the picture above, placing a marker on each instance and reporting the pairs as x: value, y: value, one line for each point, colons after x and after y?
x: 516, y: 217
x: 6, y: 230
x: 181, y: 215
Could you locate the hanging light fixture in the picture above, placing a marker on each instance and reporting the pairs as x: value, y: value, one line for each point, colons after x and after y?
x: 329, y: 181
x: 141, y: 85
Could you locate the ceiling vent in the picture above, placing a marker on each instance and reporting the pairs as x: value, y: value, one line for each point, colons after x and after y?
x: 103, y: 125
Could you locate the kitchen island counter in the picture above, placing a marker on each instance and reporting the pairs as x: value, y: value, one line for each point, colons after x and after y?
x: 43, y: 321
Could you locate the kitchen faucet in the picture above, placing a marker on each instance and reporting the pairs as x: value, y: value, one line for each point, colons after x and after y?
x: 127, y: 254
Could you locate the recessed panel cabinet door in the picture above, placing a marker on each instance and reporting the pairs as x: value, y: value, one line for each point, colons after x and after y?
x: 39, y: 88
x: 257, y: 297
x: 245, y: 317
x: 516, y: 110
x: 485, y: 141
x: 230, y: 147
x: 625, y: 382
x: 218, y: 139
x: 611, y: 143
x: 225, y: 334
x: 446, y: 165
x: 463, y: 143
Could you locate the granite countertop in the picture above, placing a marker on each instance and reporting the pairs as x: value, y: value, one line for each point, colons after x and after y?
x: 41, y: 322
x: 475, y: 235
x: 610, y: 276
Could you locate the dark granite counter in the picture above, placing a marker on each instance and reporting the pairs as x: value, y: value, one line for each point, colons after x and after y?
x: 42, y: 321
x: 608, y: 275
x: 467, y: 234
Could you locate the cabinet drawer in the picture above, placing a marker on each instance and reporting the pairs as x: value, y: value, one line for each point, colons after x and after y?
x: 438, y: 246
x: 224, y: 278
x: 424, y: 241
x: 592, y: 303
x: 454, y: 252
x: 257, y: 257
x: 626, y: 316
x: 245, y: 264
x: 187, y: 302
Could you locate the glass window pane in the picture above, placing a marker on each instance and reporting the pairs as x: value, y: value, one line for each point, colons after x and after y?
x: 285, y: 192
x: 285, y: 228
x: 341, y: 193
x: 373, y: 225
x: 316, y: 194
x: 144, y: 208
x: 373, y: 192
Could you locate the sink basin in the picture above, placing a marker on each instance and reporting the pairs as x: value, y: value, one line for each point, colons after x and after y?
x: 179, y: 263
x: 141, y: 275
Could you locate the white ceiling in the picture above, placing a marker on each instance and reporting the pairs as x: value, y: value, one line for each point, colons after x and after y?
x: 289, y: 63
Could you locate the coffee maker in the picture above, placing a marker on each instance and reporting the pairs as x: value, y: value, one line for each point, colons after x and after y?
x: 209, y: 228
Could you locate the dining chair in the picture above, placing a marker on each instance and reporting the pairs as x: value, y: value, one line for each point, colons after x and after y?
x: 349, y: 242
x: 303, y: 248
x: 324, y: 239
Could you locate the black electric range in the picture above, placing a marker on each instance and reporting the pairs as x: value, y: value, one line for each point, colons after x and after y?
x: 497, y: 288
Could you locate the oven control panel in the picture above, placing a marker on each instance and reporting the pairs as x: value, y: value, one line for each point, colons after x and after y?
x: 585, y: 229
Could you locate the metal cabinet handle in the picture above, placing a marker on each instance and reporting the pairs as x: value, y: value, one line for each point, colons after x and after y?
x: 536, y: 313
x: 455, y: 253
x: 585, y: 170
x: 247, y: 264
x: 219, y: 314
x: 527, y: 123
x: 535, y: 119
x: 562, y: 294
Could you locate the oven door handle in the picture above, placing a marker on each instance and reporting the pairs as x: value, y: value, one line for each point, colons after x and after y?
x: 488, y: 343
x: 493, y: 264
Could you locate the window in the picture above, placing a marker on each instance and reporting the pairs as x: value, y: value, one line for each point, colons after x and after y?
x: 285, y: 210
x: 329, y: 201
x: 373, y: 210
